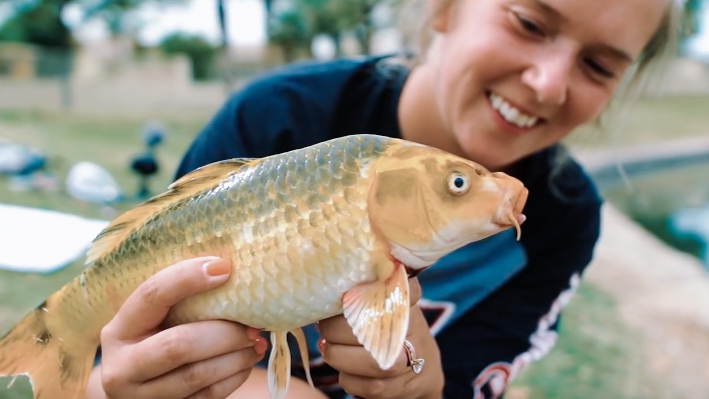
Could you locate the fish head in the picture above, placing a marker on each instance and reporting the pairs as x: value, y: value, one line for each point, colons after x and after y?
x: 427, y: 203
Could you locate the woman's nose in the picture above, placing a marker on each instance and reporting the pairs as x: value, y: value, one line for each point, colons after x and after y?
x: 549, y: 77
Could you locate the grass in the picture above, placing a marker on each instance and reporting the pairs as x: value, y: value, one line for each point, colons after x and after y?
x: 109, y: 142
x: 596, y: 356
x: 649, y: 120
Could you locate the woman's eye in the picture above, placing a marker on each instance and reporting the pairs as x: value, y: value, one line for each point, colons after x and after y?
x: 599, y: 69
x: 529, y: 25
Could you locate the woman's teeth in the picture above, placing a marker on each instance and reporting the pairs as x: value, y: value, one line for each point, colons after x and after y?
x: 512, y: 114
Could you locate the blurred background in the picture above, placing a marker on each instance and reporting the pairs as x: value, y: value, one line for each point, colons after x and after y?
x: 100, y: 98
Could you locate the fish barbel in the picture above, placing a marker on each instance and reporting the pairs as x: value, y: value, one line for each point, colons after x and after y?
x: 333, y: 228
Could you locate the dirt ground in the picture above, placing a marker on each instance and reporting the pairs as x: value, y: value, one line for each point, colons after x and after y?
x: 664, y: 295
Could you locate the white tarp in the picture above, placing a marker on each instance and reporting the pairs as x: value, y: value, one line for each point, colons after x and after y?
x: 36, y: 240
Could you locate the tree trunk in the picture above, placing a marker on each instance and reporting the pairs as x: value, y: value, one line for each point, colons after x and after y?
x: 288, y: 52
x: 224, y: 54
x: 268, y: 5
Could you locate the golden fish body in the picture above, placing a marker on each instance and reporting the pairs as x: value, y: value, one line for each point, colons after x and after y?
x: 294, y: 225
x: 334, y: 228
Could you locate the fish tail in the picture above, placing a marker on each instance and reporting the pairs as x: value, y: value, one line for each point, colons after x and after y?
x: 55, y: 367
x: 279, y: 363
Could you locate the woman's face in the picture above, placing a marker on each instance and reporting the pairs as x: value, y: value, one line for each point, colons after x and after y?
x: 511, y: 77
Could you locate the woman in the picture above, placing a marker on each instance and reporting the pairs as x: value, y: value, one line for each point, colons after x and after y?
x: 502, y: 83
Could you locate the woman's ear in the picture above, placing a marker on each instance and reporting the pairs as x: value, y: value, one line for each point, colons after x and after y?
x: 440, y: 11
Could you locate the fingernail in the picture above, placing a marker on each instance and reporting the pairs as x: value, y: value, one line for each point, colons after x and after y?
x: 252, y: 333
x: 217, y: 267
x: 321, y: 345
x: 260, y: 346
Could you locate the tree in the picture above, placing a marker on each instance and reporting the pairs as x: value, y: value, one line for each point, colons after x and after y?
x: 355, y: 15
x: 40, y: 24
x: 328, y: 17
x: 288, y: 29
x: 693, y: 9
x: 200, y: 52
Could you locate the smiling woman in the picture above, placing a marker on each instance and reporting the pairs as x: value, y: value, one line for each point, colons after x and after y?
x: 494, y: 66
x: 501, y: 82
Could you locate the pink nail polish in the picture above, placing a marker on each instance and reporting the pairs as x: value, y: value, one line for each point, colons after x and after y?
x: 252, y: 333
x: 260, y: 346
x: 217, y: 267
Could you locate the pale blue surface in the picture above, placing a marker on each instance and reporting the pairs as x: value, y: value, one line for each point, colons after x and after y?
x: 693, y: 221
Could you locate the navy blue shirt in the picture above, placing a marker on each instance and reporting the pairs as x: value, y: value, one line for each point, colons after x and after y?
x: 493, y: 306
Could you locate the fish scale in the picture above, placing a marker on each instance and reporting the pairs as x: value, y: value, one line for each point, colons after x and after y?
x: 329, y: 229
x: 263, y: 276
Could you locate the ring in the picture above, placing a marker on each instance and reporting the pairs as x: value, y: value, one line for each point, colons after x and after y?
x: 416, y: 364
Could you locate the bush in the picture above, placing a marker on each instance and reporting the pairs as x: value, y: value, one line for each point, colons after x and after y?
x: 201, y: 53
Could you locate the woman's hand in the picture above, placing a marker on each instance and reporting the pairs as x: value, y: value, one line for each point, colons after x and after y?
x: 361, y: 376
x: 208, y: 359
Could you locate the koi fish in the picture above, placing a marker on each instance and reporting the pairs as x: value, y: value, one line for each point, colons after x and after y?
x: 333, y: 228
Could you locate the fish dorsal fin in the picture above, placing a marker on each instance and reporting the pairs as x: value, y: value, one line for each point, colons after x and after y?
x: 190, y: 184
x: 216, y: 170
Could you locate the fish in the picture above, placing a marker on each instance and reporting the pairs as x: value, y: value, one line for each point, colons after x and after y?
x: 334, y: 228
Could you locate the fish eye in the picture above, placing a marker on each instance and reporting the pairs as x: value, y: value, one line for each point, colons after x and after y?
x: 458, y: 183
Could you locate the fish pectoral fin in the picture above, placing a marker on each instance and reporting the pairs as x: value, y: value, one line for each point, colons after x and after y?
x: 378, y: 313
x: 303, y: 349
x: 279, y: 365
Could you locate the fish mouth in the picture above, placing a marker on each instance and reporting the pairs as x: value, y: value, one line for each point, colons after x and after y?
x: 510, y: 214
x: 413, y: 272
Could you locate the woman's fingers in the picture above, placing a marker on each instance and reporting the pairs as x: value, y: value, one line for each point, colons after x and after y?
x: 360, y: 374
x: 224, y: 388
x: 377, y: 388
x: 184, y: 344
x: 140, y: 360
x: 414, y: 291
x: 147, y: 306
x: 356, y: 360
x: 191, y: 378
x: 336, y: 330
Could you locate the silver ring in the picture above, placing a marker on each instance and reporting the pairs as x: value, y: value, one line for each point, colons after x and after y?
x: 415, y: 363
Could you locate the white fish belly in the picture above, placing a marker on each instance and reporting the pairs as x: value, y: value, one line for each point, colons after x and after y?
x: 284, y: 289
x: 293, y: 265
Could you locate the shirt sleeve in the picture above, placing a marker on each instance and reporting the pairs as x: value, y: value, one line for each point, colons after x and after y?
x: 231, y: 131
x: 516, y: 325
x: 263, y: 119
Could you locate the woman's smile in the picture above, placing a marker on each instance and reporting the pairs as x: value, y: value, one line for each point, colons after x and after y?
x: 511, y: 118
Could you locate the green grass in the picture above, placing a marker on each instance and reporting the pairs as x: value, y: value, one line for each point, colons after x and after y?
x: 109, y: 142
x: 597, y: 356
x: 648, y: 120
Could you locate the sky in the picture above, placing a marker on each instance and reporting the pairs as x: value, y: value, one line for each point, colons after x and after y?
x: 245, y: 21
